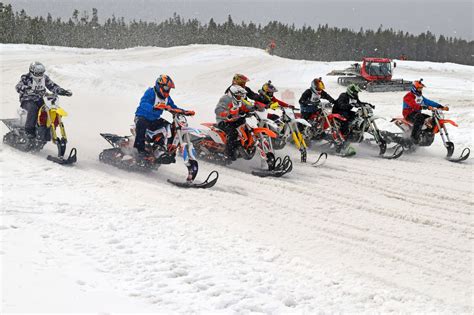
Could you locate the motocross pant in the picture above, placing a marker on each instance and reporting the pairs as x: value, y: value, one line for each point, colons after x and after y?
x: 418, y: 120
x: 230, y: 128
x: 141, y: 126
x: 349, y: 115
x: 32, y: 107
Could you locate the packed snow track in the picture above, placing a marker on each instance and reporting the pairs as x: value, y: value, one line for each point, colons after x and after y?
x: 358, y: 234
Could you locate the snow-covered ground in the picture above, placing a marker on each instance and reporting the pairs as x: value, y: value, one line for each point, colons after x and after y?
x: 358, y: 234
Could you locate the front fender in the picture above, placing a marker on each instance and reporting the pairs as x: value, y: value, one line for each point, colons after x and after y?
x: 442, y: 122
x: 373, y: 118
x: 303, y: 122
x: 265, y: 131
x: 447, y: 121
x: 61, y: 112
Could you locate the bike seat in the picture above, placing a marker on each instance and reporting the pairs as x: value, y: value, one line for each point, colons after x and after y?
x: 210, y: 125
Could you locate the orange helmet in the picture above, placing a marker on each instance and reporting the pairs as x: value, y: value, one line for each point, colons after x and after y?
x: 417, y: 87
x: 164, y: 84
x: 239, y: 79
x: 317, y: 85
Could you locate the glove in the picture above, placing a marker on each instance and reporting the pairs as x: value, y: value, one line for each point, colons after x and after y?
x: 189, y: 113
x: 233, y: 111
x: 274, y: 105
x: 64, y: 92
x: 160, y: 106
x: 291, y: 107
x: 446, y: 108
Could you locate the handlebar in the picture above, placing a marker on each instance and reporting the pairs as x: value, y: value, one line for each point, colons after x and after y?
x: 174, y: 111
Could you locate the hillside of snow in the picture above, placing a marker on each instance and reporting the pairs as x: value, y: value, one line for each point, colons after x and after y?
x: 359, y: 234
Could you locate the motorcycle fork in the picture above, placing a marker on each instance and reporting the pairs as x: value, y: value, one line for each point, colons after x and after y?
x: 60, y: 142
x: 187, y: 148
x: 299, y: 141
x: 336, y: 134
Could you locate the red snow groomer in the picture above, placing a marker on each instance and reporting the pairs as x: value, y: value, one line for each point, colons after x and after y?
x: 374, y: 75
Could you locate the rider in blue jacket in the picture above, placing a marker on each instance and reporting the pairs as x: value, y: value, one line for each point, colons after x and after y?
x: 148, y: 113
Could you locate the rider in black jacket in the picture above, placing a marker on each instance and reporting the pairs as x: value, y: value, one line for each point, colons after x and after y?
x: 310, y: 100
x: 344, y: 104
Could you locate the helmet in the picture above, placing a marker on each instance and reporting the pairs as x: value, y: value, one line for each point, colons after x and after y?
x: 237, y: 93
x: 239, y: 79
x: 317, y: 85
x: 164, y: 84
x: 353, y: 90
x: 268, y: 89
x: 37, y: 69
x: 417, y: 87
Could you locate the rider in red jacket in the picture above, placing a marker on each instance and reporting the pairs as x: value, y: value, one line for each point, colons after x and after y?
x: 413, y: 103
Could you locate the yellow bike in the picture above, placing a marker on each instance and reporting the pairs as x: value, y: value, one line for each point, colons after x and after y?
x: 49, y: 119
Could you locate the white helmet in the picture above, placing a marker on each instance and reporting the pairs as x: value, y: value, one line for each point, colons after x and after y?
x: 237, y: 93
x: 37, y: 69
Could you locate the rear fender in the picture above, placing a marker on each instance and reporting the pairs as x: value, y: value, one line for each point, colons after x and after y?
x: 194, y: 131
x: 217, y: 135
x: 115, y: 140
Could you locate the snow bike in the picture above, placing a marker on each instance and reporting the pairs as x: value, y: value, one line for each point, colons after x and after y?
x: 432, y: 125
x: 364, y: 122
x: 251, y: 138
x: 162, y: 145
x: 288, y: 128
x: 49, y: 118
x: 325, y: 126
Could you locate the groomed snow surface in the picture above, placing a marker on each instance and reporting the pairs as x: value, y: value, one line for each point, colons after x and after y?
x: 356, y: 235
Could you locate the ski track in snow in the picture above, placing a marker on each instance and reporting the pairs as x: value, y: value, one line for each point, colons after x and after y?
x: 397, y: 237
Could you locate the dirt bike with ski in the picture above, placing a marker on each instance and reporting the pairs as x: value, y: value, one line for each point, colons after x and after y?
x: 49, y: 118
x: 365, y: 122
x: 287, y: 124
x: 162, y: 146
x: 325, y: 126
x: 431, y: 126
x: 251, y: 139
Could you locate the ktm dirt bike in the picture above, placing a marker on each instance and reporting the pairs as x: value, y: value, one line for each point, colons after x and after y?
x: 432, y: 125
x: 364, y: 122
x: 162, y: 145
x: 286, y: 125
x: 325, y: 126
x: 49, y: 119
x: 251, y: 139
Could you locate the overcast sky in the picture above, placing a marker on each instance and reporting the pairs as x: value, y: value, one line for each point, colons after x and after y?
x: 447, y: 17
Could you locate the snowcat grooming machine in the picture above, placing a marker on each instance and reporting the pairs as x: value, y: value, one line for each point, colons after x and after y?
x: 374, y: 75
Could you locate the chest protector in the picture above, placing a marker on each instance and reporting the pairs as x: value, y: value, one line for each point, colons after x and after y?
x: 159, y: 100
x: 419, y: 99
x: 38, y: 85
x: 315, y: 98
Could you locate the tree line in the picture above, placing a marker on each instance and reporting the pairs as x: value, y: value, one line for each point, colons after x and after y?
x: 323, y: 43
